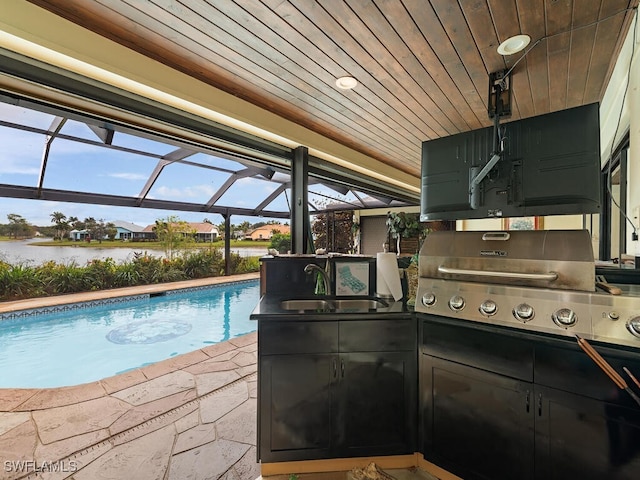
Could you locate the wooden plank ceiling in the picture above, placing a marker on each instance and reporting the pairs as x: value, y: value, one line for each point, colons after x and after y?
x: 422, y: 66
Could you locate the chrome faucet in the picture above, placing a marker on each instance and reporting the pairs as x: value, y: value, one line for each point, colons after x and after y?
x: 311, y: 267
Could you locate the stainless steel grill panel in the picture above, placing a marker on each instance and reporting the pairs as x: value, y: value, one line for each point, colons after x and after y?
x: 548, y: 274
x: 561, y: 259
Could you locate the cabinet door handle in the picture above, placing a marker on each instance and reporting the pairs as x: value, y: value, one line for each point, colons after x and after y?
x: 540, y: 405
x: 528, y: 400
x: 335, y: 368
x: 342, y: 368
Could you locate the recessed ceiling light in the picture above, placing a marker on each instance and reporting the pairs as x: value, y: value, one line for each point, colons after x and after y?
x: 514, y: 44
x: 346, y: 83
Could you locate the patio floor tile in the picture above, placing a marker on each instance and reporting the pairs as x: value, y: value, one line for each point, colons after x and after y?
x: 195, y: 423
x: 122, y: 381
x: 145, y: 458
x: 208, y: 461
x: 216, y: 406
x: 11, y: 399
x: 59, y: 423
x: 195, y: 437
x: 208, y: 382
x: 62, y: 396
x: 156, y: 388
x: 152, y: 410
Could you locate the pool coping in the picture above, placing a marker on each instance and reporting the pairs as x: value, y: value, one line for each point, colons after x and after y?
x: 40, y: 306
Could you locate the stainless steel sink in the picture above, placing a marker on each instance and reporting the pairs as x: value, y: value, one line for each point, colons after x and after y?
x: 333, y: 304
x: 306, y: 304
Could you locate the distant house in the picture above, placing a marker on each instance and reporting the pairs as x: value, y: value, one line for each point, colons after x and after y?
x: 130, y: 231
x: 203, y: 231
x: 266, y: 231
x: 77, y: 235
x: 149, y: 232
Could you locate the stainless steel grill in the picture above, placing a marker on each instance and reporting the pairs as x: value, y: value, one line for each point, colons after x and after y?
x: 541, y: 280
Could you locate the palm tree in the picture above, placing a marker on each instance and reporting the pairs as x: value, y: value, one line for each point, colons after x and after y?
x: 73, y: 221
x: 60, y: 220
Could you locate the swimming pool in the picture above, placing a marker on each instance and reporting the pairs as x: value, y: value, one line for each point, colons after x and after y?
x: 86, y: 344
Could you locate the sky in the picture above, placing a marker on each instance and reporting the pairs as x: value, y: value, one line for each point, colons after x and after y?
x: 83, y: 167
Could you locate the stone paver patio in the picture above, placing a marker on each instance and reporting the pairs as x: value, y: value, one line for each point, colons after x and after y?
x: 189, y: 417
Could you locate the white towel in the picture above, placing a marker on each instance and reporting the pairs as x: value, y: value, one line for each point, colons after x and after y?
x: 387, y: 276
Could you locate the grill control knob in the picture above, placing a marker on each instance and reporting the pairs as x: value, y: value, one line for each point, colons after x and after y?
x: 565, y: 317
x: 429, y: 299
x: 633, y: 325
x: 524, y: 312
x: 488, y: 308
x: 456, y: 303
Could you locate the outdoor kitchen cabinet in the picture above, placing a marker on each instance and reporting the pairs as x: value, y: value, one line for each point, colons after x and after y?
x: 477, y: 403
x: 579, y: 437
x: 586, y: 427
x: 337, y: 388
x: 500, y: 405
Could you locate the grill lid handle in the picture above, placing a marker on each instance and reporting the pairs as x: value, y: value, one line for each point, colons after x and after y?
x: 502, y: 236
x: 549, y: 277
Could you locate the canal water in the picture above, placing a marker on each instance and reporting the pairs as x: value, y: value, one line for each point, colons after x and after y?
x: 23, y: 252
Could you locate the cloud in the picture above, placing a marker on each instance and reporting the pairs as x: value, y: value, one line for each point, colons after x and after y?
x: 195, y: 191
x: 256, y: 184
x: 21, y: 153
x: 250, y: 181
x: 9, y: 168
x: 128, y: 176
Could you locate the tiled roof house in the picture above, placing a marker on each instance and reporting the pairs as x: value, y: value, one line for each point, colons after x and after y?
x: 266, y: 231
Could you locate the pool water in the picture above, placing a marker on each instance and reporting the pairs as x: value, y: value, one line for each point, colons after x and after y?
x: 88, y: 344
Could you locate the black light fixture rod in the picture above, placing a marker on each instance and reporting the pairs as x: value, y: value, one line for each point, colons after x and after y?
x: 523, y: 55
x: 496, y: 117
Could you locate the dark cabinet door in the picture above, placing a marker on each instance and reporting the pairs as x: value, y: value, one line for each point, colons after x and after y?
x: 336, y: 389
x: 477, y: 424
x: 377, y: 403
x: 297, y: 406
x: 584, y: 438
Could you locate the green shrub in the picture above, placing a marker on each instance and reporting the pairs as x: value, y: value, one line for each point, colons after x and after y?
x: 281, y: 242
x: 126, y: 275
x: 148, y: 268
x: 51, y: 278
x: 201, y: 263
x: 246, y: 265
x: 59, y: 278
x: 101, y: 274
x: 171, y: 274
x: 19, y: 281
